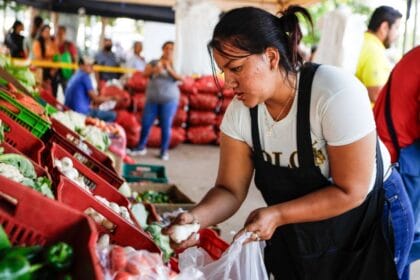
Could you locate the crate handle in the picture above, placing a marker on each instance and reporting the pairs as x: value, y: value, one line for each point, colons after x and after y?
x: 8, y: 108
x: 8, y: 202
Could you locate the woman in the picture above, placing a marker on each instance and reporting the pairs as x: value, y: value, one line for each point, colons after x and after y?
x: 14, y: 41
x: 162, y: 96
x: 44, y: 48
x: 309, y: 134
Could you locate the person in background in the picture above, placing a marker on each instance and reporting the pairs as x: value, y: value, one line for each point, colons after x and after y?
x: 106, y: 57
x: 373, y: 67
x: 14, y: 41
x: 68, y: 54
x: 80, y: 95
x: 306, y: 134
x: 44, y: 48
x: 162, y: 97
x: 35, y: 28
x: 135, y: 60
x: 397, y: 115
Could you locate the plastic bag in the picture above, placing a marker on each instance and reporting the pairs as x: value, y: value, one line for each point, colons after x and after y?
x: 239, y: 262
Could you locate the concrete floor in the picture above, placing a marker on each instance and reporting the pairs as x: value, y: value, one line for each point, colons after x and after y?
x: 193, y: 169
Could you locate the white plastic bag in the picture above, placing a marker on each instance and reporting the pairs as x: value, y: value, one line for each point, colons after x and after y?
x: 239, y: 262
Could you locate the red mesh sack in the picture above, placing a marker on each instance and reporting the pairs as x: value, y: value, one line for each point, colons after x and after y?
x: 219, y: 119
x: 188, y: 85
x: 203, y: 102
x: 139, y: 100
x: 183, y: 101
x: 131, y: 126
x: 137, y: 82
x: 154, y: 139
x: 180, y: 118
x: 124, y: 98
x: 208, y: 85
x: 228, y: 92
x: 200, y: 118
x: 178, y: 136
x: 225, y: 104
x: 201, y: 134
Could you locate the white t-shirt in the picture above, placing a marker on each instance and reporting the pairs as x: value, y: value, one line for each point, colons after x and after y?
x: 340, y: 114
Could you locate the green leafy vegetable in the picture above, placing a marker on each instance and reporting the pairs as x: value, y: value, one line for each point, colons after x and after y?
x: 60, y: 256
x: 20, y: 162
x: 4, y: 240
x: 161, y: 240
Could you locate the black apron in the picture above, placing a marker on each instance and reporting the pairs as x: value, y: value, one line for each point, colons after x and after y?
x: 349, y: 246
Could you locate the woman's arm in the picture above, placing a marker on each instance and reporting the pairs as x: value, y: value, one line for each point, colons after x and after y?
x: 172, y: 72
x: 36, y: 49
x: 351, y: 169
x: 148, y: 71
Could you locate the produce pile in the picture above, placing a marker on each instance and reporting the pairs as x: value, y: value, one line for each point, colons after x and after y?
x: 92, y: 130
x: 131, y: 243
x: 34, y: 262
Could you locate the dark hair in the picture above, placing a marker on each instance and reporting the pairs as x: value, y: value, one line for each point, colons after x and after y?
x: 37, y: 23
x: 167, y: 43
x: 15, y: 25
x: 62, y: 27
x: 254, y: 30
x: 381, y: 14
x: 42, y: 40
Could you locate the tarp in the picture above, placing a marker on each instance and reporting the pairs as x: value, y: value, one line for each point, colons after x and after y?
x: 106, y: 8
x: 154, y: 10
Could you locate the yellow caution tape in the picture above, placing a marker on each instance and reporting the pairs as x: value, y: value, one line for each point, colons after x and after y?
x: 51, y: 64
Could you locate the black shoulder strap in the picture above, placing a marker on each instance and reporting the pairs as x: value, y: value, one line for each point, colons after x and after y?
x: 255, y: 130
x: 379, y: 166
x: 303, y: 130
x: 388, y: 117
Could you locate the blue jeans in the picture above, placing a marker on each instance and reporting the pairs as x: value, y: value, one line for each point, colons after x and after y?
x: 409, y: 168
x: 398, y: 206
x: 107, y: 116
x: 166, y: 113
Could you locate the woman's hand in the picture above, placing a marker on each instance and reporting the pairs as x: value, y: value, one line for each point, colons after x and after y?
x: 158, y: 68
x: 262, y: 222
x: 182, y: 219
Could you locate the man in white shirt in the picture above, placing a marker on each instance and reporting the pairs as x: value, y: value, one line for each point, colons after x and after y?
x: 135, y: 60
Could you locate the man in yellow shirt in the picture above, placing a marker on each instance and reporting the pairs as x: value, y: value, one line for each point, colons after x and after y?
x: 374, y: 67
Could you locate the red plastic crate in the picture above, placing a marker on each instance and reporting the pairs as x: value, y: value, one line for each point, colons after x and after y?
x: 95, y: 183
x: 50, y: 99
x: 62, y: 135
x: 210, y: 242
x: 38, y: 169
x: 23, y: 140
x: 32, y: 219
x: 123, y: 233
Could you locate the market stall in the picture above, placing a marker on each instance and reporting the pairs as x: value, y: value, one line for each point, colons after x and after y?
x: 66, y: 212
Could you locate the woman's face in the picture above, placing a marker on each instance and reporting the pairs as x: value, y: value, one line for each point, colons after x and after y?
x: 250, y: 77
x: 19, y: 28
x: 168, y: 51
x: 45, y: 33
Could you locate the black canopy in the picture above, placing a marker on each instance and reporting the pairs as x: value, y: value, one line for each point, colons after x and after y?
x: 107, y: 9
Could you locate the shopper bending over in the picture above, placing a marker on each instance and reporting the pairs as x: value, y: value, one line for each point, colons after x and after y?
x: 309, y: 135
x: 162, y: 97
